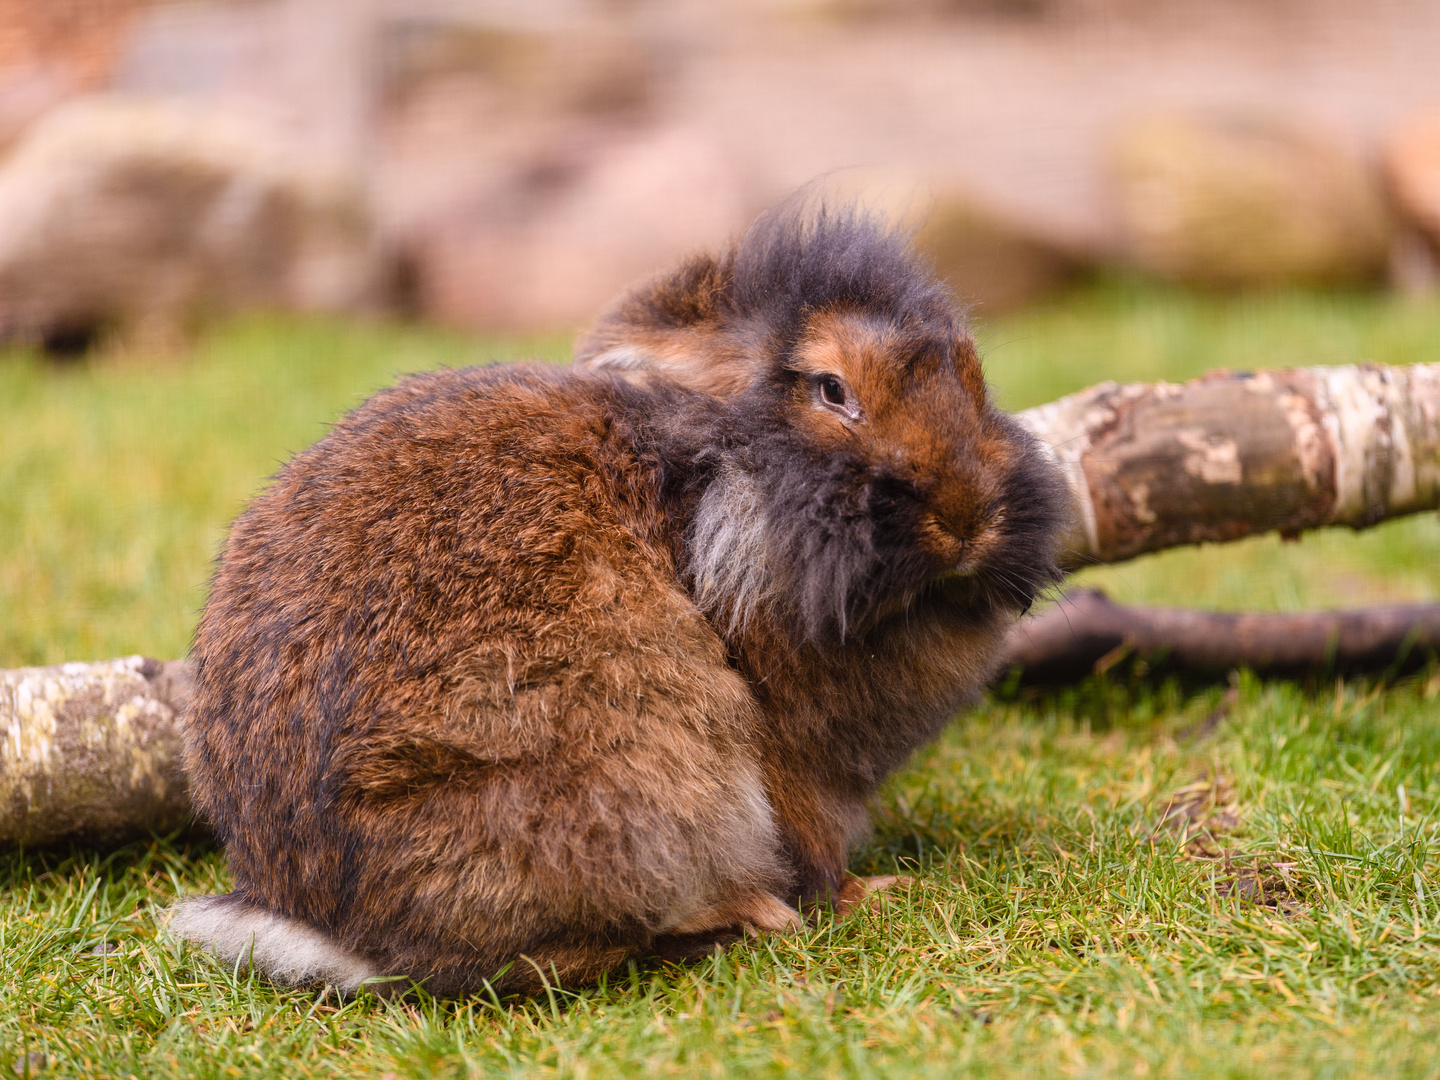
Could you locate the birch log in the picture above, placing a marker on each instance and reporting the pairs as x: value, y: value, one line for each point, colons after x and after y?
x: 1157, y: 465
x: 92, y: 751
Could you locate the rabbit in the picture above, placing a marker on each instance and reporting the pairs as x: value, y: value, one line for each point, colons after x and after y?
x: 524, y: 672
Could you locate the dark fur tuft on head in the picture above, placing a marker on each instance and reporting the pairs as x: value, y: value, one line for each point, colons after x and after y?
x: 707, y: 322
x: 798, y: 259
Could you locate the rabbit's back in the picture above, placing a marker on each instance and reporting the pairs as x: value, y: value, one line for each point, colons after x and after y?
x: 453, y: 704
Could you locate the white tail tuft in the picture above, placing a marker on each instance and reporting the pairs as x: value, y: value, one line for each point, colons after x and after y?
x: 287, y: 951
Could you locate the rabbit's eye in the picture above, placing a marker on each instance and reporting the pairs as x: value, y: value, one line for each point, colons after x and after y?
x: 832, y: 391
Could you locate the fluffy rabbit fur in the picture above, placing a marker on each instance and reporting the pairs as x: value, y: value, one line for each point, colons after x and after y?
x: 525, y: 671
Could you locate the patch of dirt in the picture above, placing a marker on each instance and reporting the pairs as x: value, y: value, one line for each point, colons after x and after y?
x: 1203, y: 813
x: 1266, y: 885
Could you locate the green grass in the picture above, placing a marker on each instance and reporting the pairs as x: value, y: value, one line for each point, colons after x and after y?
x: 122, y: 475
x: 1131, y: 877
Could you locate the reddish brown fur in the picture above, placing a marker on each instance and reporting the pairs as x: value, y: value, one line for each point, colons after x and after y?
x: 485, y: 721
x: 465, y: 706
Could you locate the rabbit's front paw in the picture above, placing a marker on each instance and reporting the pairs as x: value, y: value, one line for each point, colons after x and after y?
x: 858, y: 891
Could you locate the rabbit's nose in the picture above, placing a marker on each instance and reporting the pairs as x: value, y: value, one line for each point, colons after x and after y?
x: 962, y: 516
x: 973, y: 535
x: 942, y: 540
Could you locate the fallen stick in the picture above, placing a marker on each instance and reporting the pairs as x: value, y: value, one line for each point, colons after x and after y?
x: 1157, y: 465
x: 1086, y: 632
x: 92, y: 751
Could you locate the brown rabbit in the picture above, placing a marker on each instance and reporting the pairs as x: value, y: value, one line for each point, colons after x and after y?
x: 521, y: 671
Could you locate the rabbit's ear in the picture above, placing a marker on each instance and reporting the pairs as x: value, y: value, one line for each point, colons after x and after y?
x: 695, y: 359
x: 618, y: 356
x: 675, y: 326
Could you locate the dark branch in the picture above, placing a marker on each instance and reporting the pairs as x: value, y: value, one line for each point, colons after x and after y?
x: 1086, y: 632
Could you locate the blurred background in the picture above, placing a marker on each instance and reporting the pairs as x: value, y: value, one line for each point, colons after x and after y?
x: 224, y: 223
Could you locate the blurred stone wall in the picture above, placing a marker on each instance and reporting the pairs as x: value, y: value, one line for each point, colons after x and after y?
x: 51, y: 50
x: 525, y: 159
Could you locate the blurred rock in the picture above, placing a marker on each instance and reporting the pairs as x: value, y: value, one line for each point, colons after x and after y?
x: 526, y: 173
x: 475, y: 106
x: 879, y: 11
x: 564, y: 237
x: 1414, y: 264
x: 306, y: 66
x: 1412, y: 170
x: 1244, y: 202
x: 81, y: 36
x: 491, y: 133
x: 990, y: 260
x: 27, y: 93
x: 141, y: 216
x: 56, y: 50
x: 584, y: 68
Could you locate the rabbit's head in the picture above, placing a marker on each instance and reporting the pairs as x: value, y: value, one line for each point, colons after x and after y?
x: 855, y: 465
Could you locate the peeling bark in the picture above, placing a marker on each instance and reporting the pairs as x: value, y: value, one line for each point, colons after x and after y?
x: 1086, y: 632
x: 1157, y: 465
x: 92, y: 751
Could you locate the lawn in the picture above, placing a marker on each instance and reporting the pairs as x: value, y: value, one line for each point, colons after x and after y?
x: 1131, y: 877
